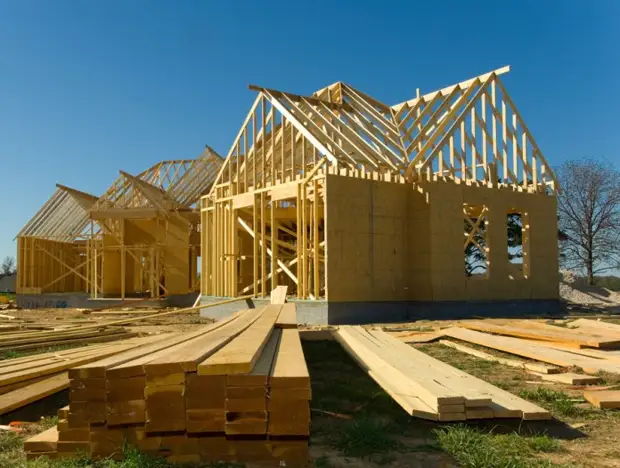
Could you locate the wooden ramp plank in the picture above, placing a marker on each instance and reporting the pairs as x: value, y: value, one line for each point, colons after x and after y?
x: 532, y: 350
x: 287, y: 317
x: 606, y: 327
x: 278, y: 295
x: 604, y: 399
x: 34, y: 392
x: 240, y: 354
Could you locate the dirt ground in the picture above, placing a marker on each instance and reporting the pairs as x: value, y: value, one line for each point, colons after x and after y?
x: 356, y: 424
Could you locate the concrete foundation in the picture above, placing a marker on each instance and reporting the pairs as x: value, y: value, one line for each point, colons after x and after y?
x: 83, y: 301
x: 358, y: 313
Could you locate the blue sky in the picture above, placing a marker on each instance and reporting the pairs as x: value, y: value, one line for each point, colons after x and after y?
x: 90, y: 87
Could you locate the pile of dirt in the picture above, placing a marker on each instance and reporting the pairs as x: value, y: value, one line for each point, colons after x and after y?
x: 575, y: 290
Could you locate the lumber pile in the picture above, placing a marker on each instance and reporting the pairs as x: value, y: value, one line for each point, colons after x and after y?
x: 450, y: 395
x: 18, y: 339
x: 28, y: 379
x: 604, y: 399
x: 234, y: 390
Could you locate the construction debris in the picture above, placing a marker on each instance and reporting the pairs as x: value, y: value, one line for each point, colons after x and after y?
x: 604, y: 399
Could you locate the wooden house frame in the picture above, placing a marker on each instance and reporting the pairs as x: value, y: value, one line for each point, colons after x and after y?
x: 140, y: 238
x: 344, y: 198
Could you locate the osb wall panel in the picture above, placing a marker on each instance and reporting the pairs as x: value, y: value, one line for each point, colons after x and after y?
x: 398, y: 242
x: 371, y: 253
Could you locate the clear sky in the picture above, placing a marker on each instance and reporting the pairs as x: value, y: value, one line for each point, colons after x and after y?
x: 91, y: 87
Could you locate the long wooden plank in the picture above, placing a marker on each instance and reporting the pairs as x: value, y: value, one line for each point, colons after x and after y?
x: 93, y: 339
x: 240, y: 354
x: 37, y: 391
x: 289, y: 368
x: 135, y: 367
x: 613, y: 356
x: 60, y: 366
x: 531, y: 366
x: 46, y: 441
x: 544, y: 333
x: 531, y: 350
x: 146, y: 347
x: 431, y: 391
x: 278, y: 295
x: 287, y: 317
x: 468, y: 383
x: 187, y: 358
x: 395, y: 383
x: 569, y: 378
x: 604, y: 399
x: 585, y: 324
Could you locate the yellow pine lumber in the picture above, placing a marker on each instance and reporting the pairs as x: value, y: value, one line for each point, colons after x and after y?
x: 93, y: 339
x: 188, y: 356
x: 143, y: 347
x: 538, y: 351
x: 604, y: 399
x: 44, y: 442
x: 530, y: 366
x: 260, y: 374
x: 278, y: 295
x: 469, y: 385
x: 289, y: 367
x: 434, y: 392
x: 240, y: 354
x: 59, y: 355
x: 544, y: 333
x: 609, y: 355
x: 60, y: 366
x: 36, y: 391
x: 395, y: 383
x: 585, y: 324
x: 135, y: 367
x: 287, y: 317
x: 17, y: 385
x: 51, y: 337
x: 569, y: 378
x: 418, y: 337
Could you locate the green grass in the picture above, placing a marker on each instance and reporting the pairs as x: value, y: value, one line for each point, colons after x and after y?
x: 363, y: 438
x: 9, y: 296
x: 559, y: 403
x: 473, y: 448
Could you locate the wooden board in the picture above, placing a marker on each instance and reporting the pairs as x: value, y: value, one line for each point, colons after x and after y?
x: 287, y: 317
x: 532, y: 350
x: 537, y: 331
x: 289, y: 367
x: 530, y: 366
x: 260, y: 374
x: 604, y: 399
x: 278, y: 295
x: 240, y: 355
x: 36, y: 391
x: 569, y: 378
x: 606, y: 327
x: 46, y: 441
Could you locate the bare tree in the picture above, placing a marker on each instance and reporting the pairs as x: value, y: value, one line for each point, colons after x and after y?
x: 8, y: 266
x: 589, y: 216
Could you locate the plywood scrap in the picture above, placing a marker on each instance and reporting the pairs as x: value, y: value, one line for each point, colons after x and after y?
x: 530, y: 366
x: 604, y: 399
x: 533, y: 350
x: 542, y: 332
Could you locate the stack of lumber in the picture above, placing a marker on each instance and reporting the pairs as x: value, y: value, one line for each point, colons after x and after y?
x: 28, y: 379
x: 234, y: 390
x: 426, y: 387
x: 23, y: 340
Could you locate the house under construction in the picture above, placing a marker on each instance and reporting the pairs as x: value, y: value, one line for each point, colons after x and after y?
x: 371, y: 212
x: 139, y: 239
